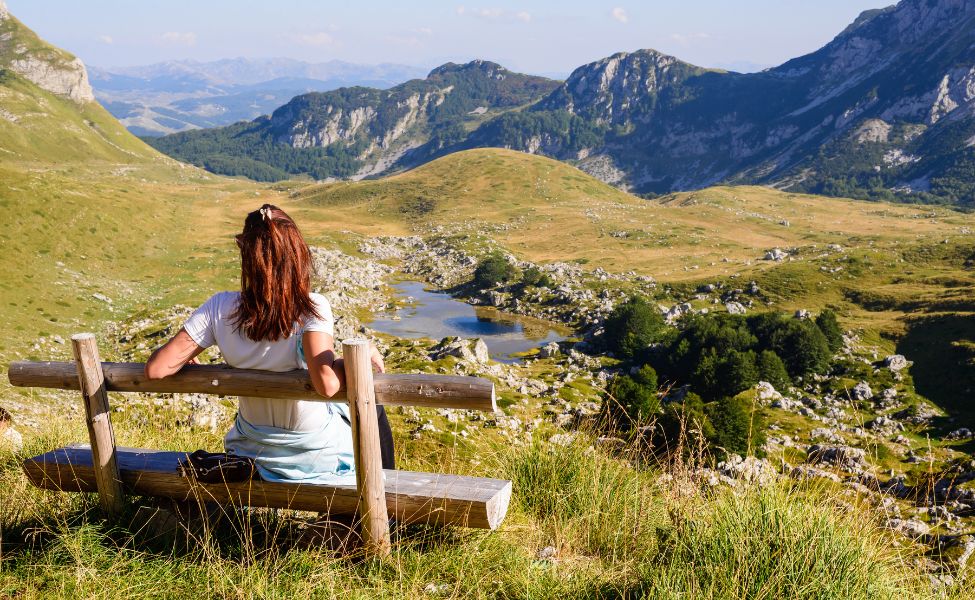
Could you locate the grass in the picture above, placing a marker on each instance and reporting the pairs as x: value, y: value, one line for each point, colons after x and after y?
x: 617, y: 531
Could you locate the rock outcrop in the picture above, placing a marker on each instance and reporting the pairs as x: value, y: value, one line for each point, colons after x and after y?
x: 49, y: 68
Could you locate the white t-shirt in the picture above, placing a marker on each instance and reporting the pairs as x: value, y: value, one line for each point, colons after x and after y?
x: 212, y: 324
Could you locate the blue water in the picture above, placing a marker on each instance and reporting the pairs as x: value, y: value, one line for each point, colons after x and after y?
x: 436, y: 315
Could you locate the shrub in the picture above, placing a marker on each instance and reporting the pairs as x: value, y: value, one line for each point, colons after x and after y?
x: 631, y: 399
x: 739, y: 425
x: 535, y: 277
x: 772, y: 369
x: 493, y: 270
x: 684, y: 426
x: 827, y: 323
x: 632, y: 326
x: 802, y: 347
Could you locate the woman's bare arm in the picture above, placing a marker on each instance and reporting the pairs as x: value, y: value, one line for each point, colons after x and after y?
x: 171, y: 357
x: 327, y: 374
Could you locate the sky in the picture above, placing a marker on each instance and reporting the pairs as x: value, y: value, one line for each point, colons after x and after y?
x: 544, y: 37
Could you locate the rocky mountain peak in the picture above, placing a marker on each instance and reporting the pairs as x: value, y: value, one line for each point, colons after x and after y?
x: 603, y: 90
x: 47, y: 67
x: 479, y: 66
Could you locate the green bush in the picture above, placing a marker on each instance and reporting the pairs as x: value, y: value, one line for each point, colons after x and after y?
x: 827, y: 323
x: 802, y: 347
x: 632, y: 399
x: 684, y: 426
x: 739, y: 426
x: 772, y: 369
x: 535, y: 277
x: 632, y: 326
x: 493, y: 270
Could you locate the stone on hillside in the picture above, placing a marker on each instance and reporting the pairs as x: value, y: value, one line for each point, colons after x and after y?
x: 896, y: 362
x: 847, y: 457
x: 677, y: 311
x: 776, y: 254
x: 911, y: 528
x: 549, y: 350
x: 735, y: 308
x: 862, y: 391
x: 748, y: 469
x: 805, y: 472
x: 102, y: 298
x: 474, y: 351
x: 960, y: 434
x: 766, y: 393
x: 802, y: 314
x: 9, y: 437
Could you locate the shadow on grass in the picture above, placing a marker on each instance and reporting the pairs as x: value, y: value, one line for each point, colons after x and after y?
x: 943, y: 351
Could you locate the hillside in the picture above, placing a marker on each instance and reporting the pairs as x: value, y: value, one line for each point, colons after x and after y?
x: 850, y: 479
x: 356, y: 132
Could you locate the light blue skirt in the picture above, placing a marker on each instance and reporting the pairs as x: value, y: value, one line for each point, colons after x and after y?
x: 323, y: 456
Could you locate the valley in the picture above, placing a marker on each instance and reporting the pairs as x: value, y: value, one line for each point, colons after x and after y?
x: 866, y: 460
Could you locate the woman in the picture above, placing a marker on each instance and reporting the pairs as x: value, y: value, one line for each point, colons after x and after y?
x: 276, y: 323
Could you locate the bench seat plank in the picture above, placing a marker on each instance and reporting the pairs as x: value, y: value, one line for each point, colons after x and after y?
x: 411, y: 497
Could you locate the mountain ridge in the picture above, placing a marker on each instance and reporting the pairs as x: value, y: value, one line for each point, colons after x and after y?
x: 885, y: 110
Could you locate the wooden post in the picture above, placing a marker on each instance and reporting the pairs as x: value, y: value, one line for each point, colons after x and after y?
x: 92, y: 384
x: 365, y: 439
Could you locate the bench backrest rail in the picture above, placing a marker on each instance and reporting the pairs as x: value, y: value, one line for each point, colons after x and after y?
x: 363, y: 392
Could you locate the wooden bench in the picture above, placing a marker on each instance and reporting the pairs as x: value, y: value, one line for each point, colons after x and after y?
x: 377, y: 495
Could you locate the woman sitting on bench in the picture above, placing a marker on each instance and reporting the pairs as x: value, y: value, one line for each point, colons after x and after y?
x: 276, y: 323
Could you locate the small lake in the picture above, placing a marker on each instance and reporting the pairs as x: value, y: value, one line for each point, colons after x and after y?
x: 436, y: 315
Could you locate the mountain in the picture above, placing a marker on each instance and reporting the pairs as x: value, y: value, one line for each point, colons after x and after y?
x: 360, y: 131
x: 885, y: 110
x: 47, y: 109
x: 179, y: 95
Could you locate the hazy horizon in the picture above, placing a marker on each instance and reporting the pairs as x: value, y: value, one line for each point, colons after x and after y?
x: 546, y: 37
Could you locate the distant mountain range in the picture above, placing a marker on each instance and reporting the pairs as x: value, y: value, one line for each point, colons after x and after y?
x: 885, y: 110
x: 179, y: 95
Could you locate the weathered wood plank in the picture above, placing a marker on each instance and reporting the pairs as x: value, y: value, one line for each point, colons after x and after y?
x: 365, y: 440
x: 91, y: 382
x: 430, y: 391
x: 411, y: 497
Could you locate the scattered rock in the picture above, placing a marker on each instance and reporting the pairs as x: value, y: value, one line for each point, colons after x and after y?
x: 846, y: 457
x: 9, y: 437
x: 862, y: 391
x: 896, y: 362
x: 735, y: 308
x: 474, y: 351
x: 546, y: 553
x: 549, y: 350
x: 766, y: 393
x: 911, y: 528
x: 776, y: 254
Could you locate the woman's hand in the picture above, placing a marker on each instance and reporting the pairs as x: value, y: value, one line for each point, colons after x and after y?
x: 376, y: 359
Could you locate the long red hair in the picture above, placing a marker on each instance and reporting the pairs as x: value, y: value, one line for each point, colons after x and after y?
x: 275, y: 276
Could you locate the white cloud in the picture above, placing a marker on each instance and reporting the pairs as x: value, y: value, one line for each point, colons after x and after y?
x: 315, y: 38
x: 523, y: 16
x: 106, y: 39
x: 687, y: 38
x: 424, y: 31
x: 620, y: 15
x: 182, y: 38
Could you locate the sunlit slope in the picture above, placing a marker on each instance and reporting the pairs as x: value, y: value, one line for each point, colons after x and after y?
x: 544, y: 210
x: 37, y: 125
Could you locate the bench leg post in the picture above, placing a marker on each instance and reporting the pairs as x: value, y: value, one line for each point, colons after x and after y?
x: 365, y: 439
x: 99, y: 421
